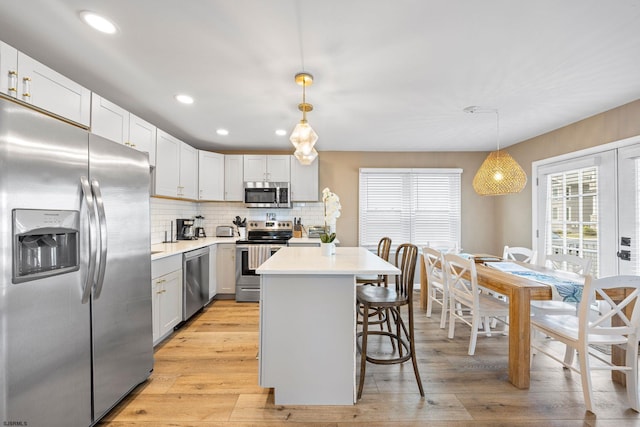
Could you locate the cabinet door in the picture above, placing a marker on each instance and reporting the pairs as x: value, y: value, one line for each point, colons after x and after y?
x: 188, y: 172
x: 278, y: 168
x: 142, y: 137
x: 156, y: 294
x: 255, y: 167
x: 304, y: 181
x: 233, y: 178
x: 167, y: 171
x: 8, y: 70
x: 210, y: 176
x: 109, y: 120
x: 41, y: 86
x: 226, y: 263
x: 171, y: 302
x: 213, y: 268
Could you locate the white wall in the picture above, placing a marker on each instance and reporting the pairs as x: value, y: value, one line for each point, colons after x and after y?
x: 164, y: 212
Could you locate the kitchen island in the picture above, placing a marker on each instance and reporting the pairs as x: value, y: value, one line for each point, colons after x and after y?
x: 308, y: 323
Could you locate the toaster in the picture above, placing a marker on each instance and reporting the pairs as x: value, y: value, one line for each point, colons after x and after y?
x: 225, y: 231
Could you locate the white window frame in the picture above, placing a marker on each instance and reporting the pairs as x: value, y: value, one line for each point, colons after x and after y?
x: 410, y: 206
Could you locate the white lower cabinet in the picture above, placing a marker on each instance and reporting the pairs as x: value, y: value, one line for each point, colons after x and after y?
x: 213, y: 268
x: 166, y: 305
x: 226, y: 263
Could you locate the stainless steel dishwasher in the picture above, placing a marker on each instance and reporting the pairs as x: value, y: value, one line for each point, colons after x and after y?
x: 195, y: 284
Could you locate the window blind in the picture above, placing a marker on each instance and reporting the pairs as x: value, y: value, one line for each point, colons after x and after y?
x: 409, y: 206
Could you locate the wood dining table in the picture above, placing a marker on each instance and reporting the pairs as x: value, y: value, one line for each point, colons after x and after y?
x: 520, y: 291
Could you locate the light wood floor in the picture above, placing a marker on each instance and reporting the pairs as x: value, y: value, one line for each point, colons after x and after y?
x: 206, y: 374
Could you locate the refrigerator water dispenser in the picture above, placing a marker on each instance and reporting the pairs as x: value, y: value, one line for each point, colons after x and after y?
x: 45, y: 243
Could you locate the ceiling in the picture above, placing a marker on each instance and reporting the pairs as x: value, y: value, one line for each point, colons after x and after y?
x: 390, y: 75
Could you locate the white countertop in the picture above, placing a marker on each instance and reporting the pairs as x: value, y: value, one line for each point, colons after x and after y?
x: 309, y: 260
x: 162, y: 250
x: 307, y: 240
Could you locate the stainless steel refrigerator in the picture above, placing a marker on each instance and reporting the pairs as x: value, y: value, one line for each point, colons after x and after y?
x: 75, y: 293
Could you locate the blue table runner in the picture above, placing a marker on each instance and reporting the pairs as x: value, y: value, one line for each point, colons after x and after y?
x: 565, y: 289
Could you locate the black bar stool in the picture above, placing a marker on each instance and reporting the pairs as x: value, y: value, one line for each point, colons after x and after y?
x: 392, y: 300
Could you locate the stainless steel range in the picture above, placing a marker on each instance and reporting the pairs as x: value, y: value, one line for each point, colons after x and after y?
x: 276, y: 234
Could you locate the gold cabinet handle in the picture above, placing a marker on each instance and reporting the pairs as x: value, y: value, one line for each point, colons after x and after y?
x: 13, y: 82
x: 26, y: 88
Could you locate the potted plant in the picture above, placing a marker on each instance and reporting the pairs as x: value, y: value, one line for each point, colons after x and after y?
x: 331, y: 214
x: 326, y: 244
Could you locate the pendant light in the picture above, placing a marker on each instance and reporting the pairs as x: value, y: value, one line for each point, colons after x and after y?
x: 303, y: 137
x: 499, y: 173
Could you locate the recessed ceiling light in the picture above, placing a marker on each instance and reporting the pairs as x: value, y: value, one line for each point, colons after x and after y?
x: 185, y: 99
x: 222, y: 132
x: 98, y: 22
x: 281, y: 132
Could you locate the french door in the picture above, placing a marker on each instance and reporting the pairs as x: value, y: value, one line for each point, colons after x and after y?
x: 582, y: 208
x: 628, y: 256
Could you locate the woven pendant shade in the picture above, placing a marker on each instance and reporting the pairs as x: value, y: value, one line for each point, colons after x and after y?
x: 499, y: 174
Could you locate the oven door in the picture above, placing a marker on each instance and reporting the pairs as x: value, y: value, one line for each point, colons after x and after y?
x: 247, y: 281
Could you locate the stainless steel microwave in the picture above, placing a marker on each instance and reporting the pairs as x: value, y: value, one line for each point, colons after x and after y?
x: 264, y: 194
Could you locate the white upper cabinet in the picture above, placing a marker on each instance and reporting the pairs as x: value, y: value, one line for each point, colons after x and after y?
x: 188, y: 187
x: 233, y: 173
x: 117, y: 124
x: 210, y: 176
x: 267, y: 168
x: 142, y: 137
x: 176, y: 172
x: 9, y: 68
x: 167, y: 171
x: 279, y: 168
x: 109, y: 120
x: 32, y: 82
x: 304, y: 181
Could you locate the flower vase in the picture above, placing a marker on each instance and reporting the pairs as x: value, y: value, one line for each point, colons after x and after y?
x: 327, y: 249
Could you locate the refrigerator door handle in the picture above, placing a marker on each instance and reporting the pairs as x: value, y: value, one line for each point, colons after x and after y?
x: 102, y: 222
x: 88, y: 198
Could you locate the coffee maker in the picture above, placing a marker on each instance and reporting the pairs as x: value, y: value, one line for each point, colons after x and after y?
x: 199, y: 226
x: 185, y: 229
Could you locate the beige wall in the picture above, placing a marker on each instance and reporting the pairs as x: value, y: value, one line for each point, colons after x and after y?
x: 513, y: 213
x: 339, y: 172
x: 488, y: 223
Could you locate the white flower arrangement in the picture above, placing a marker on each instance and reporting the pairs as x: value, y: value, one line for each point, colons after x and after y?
x: 331, y: 208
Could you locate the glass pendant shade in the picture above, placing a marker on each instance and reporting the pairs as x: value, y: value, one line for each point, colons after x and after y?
x: 303, y: 135
x: 499, y: 174
x: 306, y: 158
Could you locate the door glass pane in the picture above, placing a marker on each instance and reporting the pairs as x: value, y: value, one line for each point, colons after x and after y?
x: 572, y: 214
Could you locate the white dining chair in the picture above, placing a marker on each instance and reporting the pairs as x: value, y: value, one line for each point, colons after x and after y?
x: 578, y: 332
x: 444, y: 246
x: 519, y: 253
x: 437, y: 279
x: 567, y: 262
x: 472, y: 307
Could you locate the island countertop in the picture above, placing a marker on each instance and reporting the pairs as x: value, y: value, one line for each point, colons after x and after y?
x: 309, y: 260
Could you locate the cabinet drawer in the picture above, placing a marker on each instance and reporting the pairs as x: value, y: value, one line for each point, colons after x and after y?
x: 162, y: 266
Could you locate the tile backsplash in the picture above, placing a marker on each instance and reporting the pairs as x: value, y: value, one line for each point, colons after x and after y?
x: 164, y: 212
